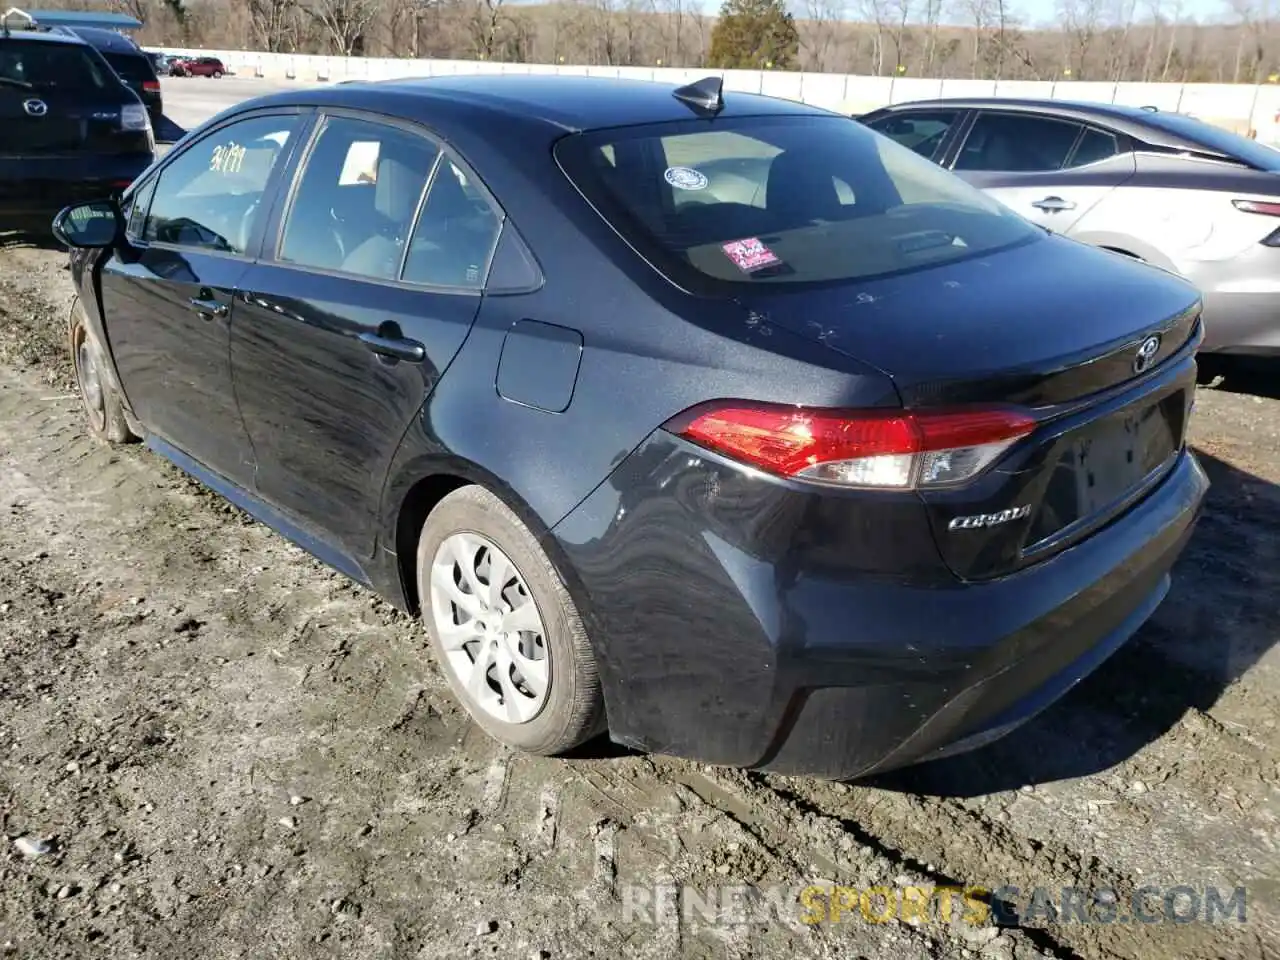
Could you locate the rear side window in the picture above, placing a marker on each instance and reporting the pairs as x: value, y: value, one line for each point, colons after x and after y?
x: 1017, y: 143
x: 44, y: 64
x: 1095, y: 145
x: 130, y: 66
x: 920, y: 131
x: 453, y: 242
x: 357, y: 198
x: 781, y: 200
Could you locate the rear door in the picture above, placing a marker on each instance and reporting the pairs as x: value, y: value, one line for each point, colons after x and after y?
x: 1050, y: 170
x: 168, y: 296
x: 344, y: 331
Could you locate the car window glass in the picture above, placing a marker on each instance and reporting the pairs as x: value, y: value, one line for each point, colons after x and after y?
x: 136, y: 214
x: 210, y: 196
x: 920, y: 131
x: 455, y: 236
x: 357, y: 197
x: 1095, y: 145
x: 1018, y: 144
x: 44, y: 64
x: 782, y: 200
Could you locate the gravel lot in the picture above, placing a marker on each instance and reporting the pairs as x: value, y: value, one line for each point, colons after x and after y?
x: 226, y: 750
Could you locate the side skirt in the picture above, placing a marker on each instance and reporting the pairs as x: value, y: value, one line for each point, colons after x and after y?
x: 261, y: 512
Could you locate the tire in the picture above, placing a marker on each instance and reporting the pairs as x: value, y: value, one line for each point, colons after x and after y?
x: 217, y: 74
x: 471, y: 523
x: 104, y: 413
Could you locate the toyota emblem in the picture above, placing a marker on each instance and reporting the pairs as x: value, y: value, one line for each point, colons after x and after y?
x: 35, y: 108
x: 1146, y: 354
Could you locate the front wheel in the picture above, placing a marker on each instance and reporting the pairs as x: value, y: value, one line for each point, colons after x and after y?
x: 503, y: 627
x: 104, y: 412
x: 217, y: 74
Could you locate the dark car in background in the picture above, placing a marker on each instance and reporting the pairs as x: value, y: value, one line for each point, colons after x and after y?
x: 822, y: 464
x: 1162, y: 187
x: 130, y: 63
x: 69, y: 128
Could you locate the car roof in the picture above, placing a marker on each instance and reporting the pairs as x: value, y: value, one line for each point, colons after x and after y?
x: 1138, y: 122
x: 568, y: 103
x: 107, y: 40
x: 43, y: 36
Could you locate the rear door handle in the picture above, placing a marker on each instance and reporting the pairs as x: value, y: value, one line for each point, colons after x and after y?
x: 208, y: 308
x: 1053, y: 204
x: 395, y: 348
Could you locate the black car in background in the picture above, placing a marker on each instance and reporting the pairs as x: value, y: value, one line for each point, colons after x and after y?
x: 822, y: 464
x: 69, y: 128
x: 130, y: 63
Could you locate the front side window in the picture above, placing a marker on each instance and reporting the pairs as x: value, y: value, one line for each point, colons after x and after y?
x: 1017, y: 143
x: 210, y: 197
x: 357, y: 198
x: 920, y: 131
x: 781, y: 200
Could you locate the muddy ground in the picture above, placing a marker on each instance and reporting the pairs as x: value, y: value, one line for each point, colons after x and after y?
x: 226, y: 750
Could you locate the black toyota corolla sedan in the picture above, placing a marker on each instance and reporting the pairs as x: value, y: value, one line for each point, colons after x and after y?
x: 823, y: 464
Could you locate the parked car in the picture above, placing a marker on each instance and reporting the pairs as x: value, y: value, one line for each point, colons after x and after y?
x: 129, y: 63
x: 864, y: 470
x: 161, y: 62
x: 198, y: 67
x: 71, y: 130
x: 1163, y: 187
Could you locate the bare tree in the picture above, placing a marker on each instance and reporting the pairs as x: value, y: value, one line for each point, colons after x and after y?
x: 820, y: 32
x: 1082, y: 21
x: 342, y: 23
x: 274, y: 24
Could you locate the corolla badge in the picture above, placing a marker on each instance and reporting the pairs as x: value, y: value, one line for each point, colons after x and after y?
x: 35, y: 108
x: 980, y: 520
x: 1146, y: 355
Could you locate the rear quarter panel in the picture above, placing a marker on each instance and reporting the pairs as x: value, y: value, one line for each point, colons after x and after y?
x: 1176, y: 212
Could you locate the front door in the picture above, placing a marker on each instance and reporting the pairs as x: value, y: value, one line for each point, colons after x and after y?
x: 341, y: 336
x: 1048, y: 170
x: 168, y: 296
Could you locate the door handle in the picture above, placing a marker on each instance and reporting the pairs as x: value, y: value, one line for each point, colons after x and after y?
x: 1053, y: 204
x: 395, y: 348
x: 208, y: 308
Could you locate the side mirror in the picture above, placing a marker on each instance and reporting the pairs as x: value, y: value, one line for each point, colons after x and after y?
x: 89, y: 225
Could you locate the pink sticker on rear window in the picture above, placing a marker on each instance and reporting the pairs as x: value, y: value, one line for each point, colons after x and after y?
x: 750, y: 255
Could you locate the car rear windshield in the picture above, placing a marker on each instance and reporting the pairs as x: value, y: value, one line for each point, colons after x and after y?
x: 44, y: 64
x: 1218, y: 139
x: 781, y: 200
x: 130, y: 66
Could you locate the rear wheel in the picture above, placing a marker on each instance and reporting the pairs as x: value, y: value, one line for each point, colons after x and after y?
x: 104, y: 413
x: 217, y: 74
x: 503, y: 627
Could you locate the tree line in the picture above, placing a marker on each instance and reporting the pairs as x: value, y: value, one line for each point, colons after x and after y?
x: 1109, y: 40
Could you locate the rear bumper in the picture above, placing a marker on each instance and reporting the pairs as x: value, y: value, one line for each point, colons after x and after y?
x: 737, y: 653
x: 36, y: 188
x: 1241, y: 301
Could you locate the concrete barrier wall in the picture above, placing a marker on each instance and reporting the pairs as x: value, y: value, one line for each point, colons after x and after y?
x: 1236, y: 106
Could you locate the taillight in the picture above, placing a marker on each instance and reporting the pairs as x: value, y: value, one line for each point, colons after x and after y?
x: 891, y: 449
x: 151, y: 86
x: 1265, y: 207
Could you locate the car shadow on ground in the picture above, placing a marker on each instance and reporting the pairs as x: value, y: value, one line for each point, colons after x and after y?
x: 168, y: 132
x: 1256, y: 376
x: 1217, y: 622
x: 28, y: 238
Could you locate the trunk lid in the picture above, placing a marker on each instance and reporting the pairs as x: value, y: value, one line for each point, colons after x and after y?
x: 1099, y: 347
x: 52, y: 122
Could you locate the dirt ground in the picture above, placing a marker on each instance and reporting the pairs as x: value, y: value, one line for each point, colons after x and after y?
x: 211, y: 746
